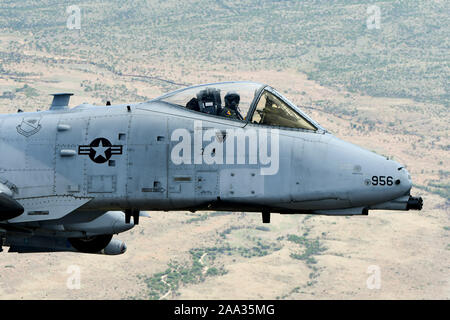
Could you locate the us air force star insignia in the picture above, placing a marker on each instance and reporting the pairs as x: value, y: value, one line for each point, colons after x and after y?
x: 100, y: 150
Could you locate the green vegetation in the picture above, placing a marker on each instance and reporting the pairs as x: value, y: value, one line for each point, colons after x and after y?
x: 204, y: 263
x: 105, y: 92
x: 7, y: 95
x: 440, y: 188
x: 158, y: 43
x: 28, y: 91
x: 311, y: 248
x: 220, y: 213
x: 405, y: 57
x: 178, y: 274
x: 202, y: 217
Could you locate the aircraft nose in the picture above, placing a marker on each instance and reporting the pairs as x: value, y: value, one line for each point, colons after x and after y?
x: 385, y: 180
x: 403, y: 178
x: 364, y: 177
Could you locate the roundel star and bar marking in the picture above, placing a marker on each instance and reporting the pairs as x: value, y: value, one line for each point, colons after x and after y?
x: 100, y: 150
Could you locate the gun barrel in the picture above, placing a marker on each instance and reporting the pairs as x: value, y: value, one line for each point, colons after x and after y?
x: 415, y: 203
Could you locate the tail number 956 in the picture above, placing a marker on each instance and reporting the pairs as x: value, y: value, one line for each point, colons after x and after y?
x: 382, y: 181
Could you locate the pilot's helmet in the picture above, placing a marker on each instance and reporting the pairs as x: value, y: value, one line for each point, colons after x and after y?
x: 232, y: 100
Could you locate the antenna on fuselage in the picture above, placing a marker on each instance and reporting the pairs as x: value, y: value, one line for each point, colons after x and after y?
x: 60, y: 101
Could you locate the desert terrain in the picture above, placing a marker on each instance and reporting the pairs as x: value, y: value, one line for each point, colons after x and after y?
x: 388, y: 92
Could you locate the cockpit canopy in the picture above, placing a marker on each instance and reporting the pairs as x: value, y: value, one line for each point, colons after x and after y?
x: 242, y: 101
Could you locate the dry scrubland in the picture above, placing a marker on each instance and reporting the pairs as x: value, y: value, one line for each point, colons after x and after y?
x: 386, y: 90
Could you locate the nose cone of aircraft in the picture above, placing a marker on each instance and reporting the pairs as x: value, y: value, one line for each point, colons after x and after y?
x: 367, y: 178
x: 404, y: 180
x: 388, y: 180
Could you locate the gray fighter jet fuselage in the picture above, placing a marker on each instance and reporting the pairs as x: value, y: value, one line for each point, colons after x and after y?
x: 70, y: 178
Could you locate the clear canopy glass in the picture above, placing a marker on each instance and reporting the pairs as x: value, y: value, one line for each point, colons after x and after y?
x: 241, y: 101
x: 217, y: 99
x: 273, y: 111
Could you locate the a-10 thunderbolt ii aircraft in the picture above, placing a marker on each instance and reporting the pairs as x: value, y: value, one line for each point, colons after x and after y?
x: 71, y: 178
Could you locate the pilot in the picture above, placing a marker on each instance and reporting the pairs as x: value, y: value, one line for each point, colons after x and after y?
x: 231, y: 109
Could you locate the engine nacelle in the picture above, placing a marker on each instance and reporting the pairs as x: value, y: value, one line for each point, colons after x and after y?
x: 115, y: 247
x: 112, y: 222
x: 33, y: 244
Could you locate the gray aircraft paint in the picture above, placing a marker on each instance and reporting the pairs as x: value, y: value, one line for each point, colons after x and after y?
x: 90, y: 160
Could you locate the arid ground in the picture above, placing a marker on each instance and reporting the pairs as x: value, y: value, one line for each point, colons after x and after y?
x: 232, y: 255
